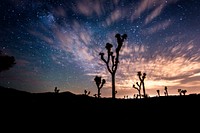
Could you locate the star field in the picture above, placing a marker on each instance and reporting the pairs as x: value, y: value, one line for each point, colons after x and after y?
x: 57, y: 43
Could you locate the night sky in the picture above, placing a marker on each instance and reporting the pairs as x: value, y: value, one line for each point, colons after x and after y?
x: 57, y: 43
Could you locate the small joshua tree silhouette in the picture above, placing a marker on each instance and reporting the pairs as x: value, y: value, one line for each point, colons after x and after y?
x: 158, y: 91
x: 99, y: 84
x: 95, y: 95
x: 56, y: 90
x: 165, y: 92
x: 138, y: 88
x: 141, y: 78
x: 113, y: 60
x: 179, y: 91
x: 86, y: 92
x: 182, y: 92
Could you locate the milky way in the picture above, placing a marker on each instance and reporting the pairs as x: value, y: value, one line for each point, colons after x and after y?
x: 57, y: 43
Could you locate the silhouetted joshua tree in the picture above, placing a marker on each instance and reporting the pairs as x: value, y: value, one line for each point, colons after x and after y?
x: 182, y: 92
x: 113, y: 60
x: 136, y: 96
x: 95, y: 95
x: 141, y: 78
x: 179, y: 91
x: 56, y: 90
x: 6, y: 62
x: 99, y: 84
x: 138, y: 88
x: 166, y: 92
x: 158, y: 91
x: 86, y: 92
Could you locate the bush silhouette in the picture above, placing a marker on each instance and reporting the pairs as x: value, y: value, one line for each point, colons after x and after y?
x: 114, y: 60
x: 6, y: 62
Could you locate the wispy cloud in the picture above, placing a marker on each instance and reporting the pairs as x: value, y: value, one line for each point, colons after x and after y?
x: 59, y: 12
x: 157, y: 27
x: 155, y: 8
x: 154, y: 14
x: 114, y: 16
x: 142, y: 7
x: 195, y: 75
x: 90, y: 7
x: 22, y: 62
x: 79, y: 44
x: 41, y: 36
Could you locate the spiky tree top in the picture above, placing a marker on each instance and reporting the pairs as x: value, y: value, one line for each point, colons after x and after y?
x: 99, y: 82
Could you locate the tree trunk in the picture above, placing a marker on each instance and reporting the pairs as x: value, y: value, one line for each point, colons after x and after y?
x: 98, y: 92
x: 143, y: 89
x: 113, y: 86
x: 139, y: 94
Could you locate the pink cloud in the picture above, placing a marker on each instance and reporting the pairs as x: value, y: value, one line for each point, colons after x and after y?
x: 88, y: 7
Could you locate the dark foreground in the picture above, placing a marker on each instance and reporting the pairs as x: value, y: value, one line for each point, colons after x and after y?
x: 56, y: 110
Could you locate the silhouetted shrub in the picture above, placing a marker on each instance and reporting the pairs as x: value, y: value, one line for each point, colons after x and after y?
x: 6, y: 62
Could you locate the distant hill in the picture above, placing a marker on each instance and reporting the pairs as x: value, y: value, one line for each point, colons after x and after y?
x: 4, y: 90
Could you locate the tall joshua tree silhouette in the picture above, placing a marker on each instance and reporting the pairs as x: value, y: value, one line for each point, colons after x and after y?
x: 113, y: 60
x: 138, y: 88
x: 99, y: 84
x: 141, y: 78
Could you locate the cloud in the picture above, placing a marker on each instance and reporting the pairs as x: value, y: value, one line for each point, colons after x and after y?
x: 195, y: 75
x: 157, y: 27
x: 154, y: 14
x: 22, y: 63
x: 59, y: 12
x: 155, y: 8
x: 114, y: 16
x: 90, y: 7
x: 78, y: 44
x: 43, y: 37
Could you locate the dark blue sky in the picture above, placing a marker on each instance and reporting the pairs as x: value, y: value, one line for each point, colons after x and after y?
x: 57, y: 43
